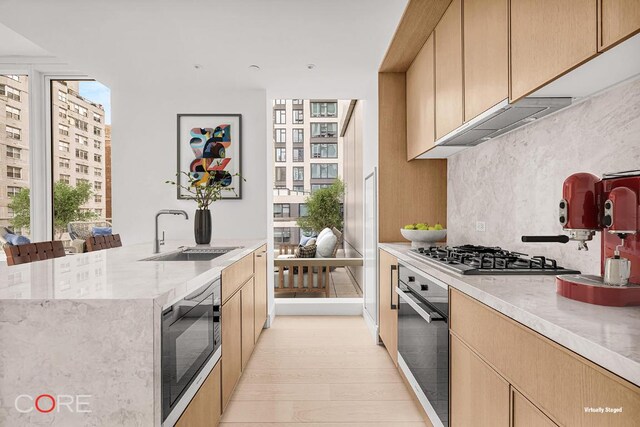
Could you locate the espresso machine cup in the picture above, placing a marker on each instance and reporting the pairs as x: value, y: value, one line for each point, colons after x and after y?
x: 617, y: 271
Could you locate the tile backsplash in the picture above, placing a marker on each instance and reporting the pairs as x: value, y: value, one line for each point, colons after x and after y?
x: 513, y: 183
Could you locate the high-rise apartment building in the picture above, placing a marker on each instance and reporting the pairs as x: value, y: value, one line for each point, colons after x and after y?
x: 14, y: 141
x: 307, y: 156
x: 78, y: 141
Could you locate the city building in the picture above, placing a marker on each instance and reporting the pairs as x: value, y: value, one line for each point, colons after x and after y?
x: 107, y: 168
x: 308, y: 155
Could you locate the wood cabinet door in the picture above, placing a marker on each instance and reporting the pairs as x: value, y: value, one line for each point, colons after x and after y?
x: 236, y: 275
x: 231, y: 318
x: 525, y: 414
x: 205, y: 409
x: 261, y: 301
x: 619, y: 19
x: 486, y: 55
x: 449, y: 78
x: 421, y: 101
x: 479, y: 396
x: 248, y: 322
x: 548, y: 39
x: 388, y: 318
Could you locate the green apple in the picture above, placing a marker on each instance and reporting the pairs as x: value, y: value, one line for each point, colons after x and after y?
x: 437, y: 227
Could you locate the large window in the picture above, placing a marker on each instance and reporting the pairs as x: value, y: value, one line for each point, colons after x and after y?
x: 13, y: 132
x: 13, y: 113
x: 324, y: 109
x: 9, y: 91
x: 324, y: 151
x: 14, y: 153
x: 298, y: 173
x: 324, y: 130
x: 280, y: 117
x: 281, y: 154
x: 304, y: 210
x: 297, y: 135
x: 298, y: 154
x: 298, y: 116
x: 324, y: 170
x: 14, y: 172
x: 280, y: 136
x: 282, y: 234
x: 281, y: 210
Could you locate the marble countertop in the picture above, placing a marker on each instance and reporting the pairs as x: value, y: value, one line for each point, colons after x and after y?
x: 608, y: 336
x: 118, y: 273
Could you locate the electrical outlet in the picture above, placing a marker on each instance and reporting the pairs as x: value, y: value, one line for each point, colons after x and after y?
x: 481, y: 226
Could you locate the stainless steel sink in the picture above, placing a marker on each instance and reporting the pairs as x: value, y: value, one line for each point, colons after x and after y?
x: 191, y: 254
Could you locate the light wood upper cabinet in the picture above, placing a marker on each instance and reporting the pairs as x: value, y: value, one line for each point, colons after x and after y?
x: 231, y: 346
x: 248, y: 322
x: 260, y: 277
x: 479, y: 396
x: 619, y: 19
x: 548, y: 39
x: 449, y: 76
x: 486, y: 55
x: 388, y: 316
x: 525, y: 414
x: 421, y: 101
x: 205, y: 409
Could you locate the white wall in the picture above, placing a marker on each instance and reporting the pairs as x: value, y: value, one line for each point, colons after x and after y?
x: 144, y: 157
x: 514, y: 182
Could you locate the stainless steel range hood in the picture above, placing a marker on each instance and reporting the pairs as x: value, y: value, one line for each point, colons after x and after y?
x: 499, y: 119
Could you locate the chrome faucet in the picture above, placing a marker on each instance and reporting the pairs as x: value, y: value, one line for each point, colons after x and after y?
x: 157, y: 242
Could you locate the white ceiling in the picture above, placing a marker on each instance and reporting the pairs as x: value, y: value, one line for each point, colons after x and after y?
x: 144, y: 41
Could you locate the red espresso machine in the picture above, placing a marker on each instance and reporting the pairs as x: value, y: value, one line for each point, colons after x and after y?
x: 609, y: 205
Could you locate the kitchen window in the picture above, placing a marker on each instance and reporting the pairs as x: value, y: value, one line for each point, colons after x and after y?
x: 281, y: 210
x: 63, y: 146
x: 324, y: 130
x: 65, y: 178
x: 280, y: 117
x: 97, y: 158
x: 324, y: 151
x: 298, y: 116
x: 14, y: 152
x: 13, y: 113
x: 12, y: 191
x: 13, y: 133
x: 82, y: 154
x: 324, y: 170
x: 281, y: 154
x: 83, y: 169
x: 63, y: 130
x: 297, y: 136
x: 324, y: 109
x: 280, y: 136
x: 14, y: 172
x: 64, y: 163
x: 281, y: 174
x: 298, y: 173
x: 298, y: 154
x: 82, y: 140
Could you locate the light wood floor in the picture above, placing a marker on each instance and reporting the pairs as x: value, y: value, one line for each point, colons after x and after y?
x: 320, y: 371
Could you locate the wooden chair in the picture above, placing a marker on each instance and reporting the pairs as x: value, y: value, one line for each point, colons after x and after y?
x: 30, y: 252
x: 308, y: 274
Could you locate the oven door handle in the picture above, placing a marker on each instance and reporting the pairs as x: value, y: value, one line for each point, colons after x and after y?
x: 428, y: 317
x: 393, y: 285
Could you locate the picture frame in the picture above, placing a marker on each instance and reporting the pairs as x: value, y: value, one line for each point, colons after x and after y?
x: 209, y: 146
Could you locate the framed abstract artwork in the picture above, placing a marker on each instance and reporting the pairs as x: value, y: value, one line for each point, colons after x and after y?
x: 209, y: 149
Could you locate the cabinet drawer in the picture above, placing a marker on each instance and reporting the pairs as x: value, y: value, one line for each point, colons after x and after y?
x: 558, y: 381
x: 236, y: 275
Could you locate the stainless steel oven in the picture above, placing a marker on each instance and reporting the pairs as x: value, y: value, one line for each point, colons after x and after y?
x: 423, y: 339
x: 191, y: 337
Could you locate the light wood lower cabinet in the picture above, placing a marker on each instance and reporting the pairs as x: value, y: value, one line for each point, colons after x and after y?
x: 388, y: 315
x: 260, y: 276
x: 525, y: 414
x: 205, y: 408
x: 248, y: 322
x: 236, y: 275
x: 557, y: 381
x: 479, y: 396
x: 231, y: 346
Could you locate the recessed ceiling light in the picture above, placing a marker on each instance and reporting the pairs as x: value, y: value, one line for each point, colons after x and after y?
x: 254, y: 67
x: 311, y: 66
x: 197, y: 66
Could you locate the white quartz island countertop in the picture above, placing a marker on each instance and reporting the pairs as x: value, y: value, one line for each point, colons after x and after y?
x: 87, y: 327
x: 608, y: 336
x: 118, y: 273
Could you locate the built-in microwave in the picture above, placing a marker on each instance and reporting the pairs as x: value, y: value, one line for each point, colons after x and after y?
x: 191, y: 336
